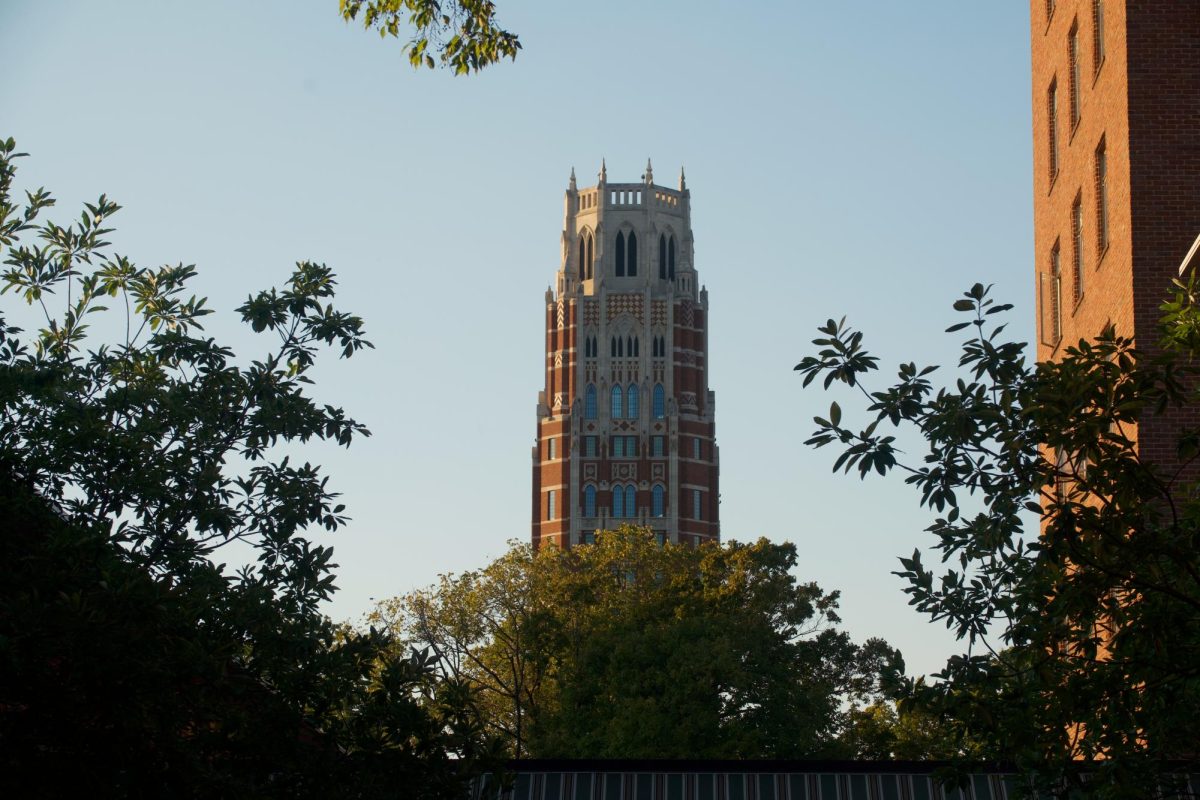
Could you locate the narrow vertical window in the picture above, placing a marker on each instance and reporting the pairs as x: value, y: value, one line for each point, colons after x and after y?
x: 589, y: 501
x: 657, y: 495
x: 656, y: 446
x: 618, y: 502
x: 1052, y: 112
x: 632, y: 254
x: 631, y: 446
x: 1056, y: 293
x: 551, y: 496
x: 620, y: 254
x: 1101, y: 198
x: 591, y: 256
x: 582, y: 258
x: 695, y: 504
x: 616, y: 402
x: 1073, y: 55
x: 629, y: 346
x: 550, y: 450
x: 630, y: 501
x: 589, y: 446
x: 671, y: 258
x: 662, y: 257
x: 635, y: 347
x: 659, y: 401
x: 589, y: 402
x: 631, y: 402
x: 612, y: 347
x: 616, y: 447
x: 696, y: 447
x: 1097, y: 34
x: 1077, y: 256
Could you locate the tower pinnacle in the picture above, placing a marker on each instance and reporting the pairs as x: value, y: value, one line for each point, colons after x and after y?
x: 682, y: 181
x: 571, y: 183
x: 603, y: 172
x: 649, y: 176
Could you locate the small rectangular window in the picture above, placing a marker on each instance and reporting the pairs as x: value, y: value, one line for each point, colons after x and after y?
x: 618, y: 447
x: 1101, y: 198
x: 551, y: 496
x: 589, y: 537
x: 550, y: 454
x: 696, y: 447
x: 631, y: 446
x: 589, y: 446
x: 657, y: 446
x: 1097, y: 34
x: 695, y: 504
x: 1073, y: 56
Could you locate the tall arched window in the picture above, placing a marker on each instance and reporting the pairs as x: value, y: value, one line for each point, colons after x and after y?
x: 582, y: 257
x: 657, y: 501
x: 662, y: 257
x: 671, y: 259
x: 589, y: 501
x: 612, y: 347
x: 620, y: 254
x: 589, y: 402
x: 635, y: 347
x: 660, y: 401
x: 630, y: 501
x: 618, y: 502
x: 616, y: 402
x: 632, y: 254
x: 591, y: 256
x: 629, y: 346
x: 631, y: 401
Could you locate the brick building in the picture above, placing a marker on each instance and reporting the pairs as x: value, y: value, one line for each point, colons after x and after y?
x: 625, y: 429
x: 1116, y: 123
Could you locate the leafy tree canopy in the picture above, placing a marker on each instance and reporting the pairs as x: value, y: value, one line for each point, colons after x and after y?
x: 1083, y: 640
x: 463, y: 34
x: 128, y: 459
x: 628, y: 648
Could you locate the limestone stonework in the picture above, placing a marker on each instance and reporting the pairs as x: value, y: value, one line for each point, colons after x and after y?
x: 625, y: 425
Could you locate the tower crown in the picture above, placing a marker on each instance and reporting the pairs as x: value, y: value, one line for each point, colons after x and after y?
x: 626, y: 236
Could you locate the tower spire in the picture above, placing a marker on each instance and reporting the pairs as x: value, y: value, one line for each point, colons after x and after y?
x: 571, y: 183
x: 649, y: 176
x: 682, y: 181
x: 603, y: 171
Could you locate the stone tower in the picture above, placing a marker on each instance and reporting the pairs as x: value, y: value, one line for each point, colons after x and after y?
x: 625, y: 430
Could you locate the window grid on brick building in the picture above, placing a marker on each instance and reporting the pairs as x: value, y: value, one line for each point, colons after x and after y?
x: 1052, y: 125
x: 1101, y: 197
x: 1097, y: 34
x: 1073, y: 52
x: 1077, y: 236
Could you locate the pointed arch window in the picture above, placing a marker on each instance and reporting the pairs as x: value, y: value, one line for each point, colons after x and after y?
x: 634, y: 353
x: 620, y: 254
x: 658, y: 497
x: 618, y: 502
x: 631, y: 401
x: 632, y: 254
x: 591, y: 256
x: 589, y: 501
x: 671, y: 259
x: 629, y: 346
x: 662, y: 257
x: 616, y: 402
x: 589, y: 402
x: 583, y: 258
x: 630, y: 501
x: 659, y: 401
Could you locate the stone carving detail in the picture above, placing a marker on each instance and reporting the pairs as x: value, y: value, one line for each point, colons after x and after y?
x: 561, y: 314
x: 560, y: 399
x: 589, y: 471
x: 687, y: 357
x: 625, y: 304
x: 686, y: 316
x: 591, y: 313
x: 558, y: 358
x: 658, y: 312
x: 658, y: 471
x: 687, y: 399
x: 624, y: 472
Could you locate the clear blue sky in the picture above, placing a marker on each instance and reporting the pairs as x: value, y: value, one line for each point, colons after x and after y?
x: 861, y: 158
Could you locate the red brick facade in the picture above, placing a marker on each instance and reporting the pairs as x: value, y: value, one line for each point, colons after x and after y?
x: 626, y: 428
x: 1116, y: 124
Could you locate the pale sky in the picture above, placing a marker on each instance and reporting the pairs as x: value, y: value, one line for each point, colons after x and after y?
x: 862, y: 158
